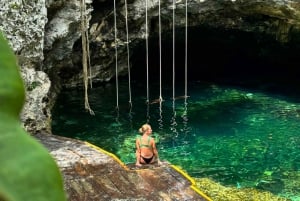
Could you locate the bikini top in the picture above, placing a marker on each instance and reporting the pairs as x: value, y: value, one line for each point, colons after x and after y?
x: 145, y: 145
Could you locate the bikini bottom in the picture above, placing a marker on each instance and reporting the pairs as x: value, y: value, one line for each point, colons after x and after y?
x: 148, y: 160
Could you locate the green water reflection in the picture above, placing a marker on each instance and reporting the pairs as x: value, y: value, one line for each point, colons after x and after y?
x: 234, y: 136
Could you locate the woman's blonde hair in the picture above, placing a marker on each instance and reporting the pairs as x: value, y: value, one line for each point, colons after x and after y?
x: 144, y: 128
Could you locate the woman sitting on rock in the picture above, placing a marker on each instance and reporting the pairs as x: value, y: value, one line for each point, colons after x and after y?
x: 146, y: 152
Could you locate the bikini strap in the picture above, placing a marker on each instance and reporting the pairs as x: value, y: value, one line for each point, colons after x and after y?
x: 145, y: 145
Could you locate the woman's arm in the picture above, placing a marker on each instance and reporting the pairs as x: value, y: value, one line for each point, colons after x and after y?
x: 137, y: 152
x: 137, y: 145
x: 155, y: 152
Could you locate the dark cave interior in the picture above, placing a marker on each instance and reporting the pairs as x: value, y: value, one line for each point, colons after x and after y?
x: 228, y: 57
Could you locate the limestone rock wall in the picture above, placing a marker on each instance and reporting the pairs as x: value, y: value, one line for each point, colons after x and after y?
x: 277, y: 18
x: 42, y: 34
x: 22, y: 23
x: 46, y: 37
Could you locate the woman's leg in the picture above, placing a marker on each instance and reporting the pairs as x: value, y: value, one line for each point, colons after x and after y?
x: 153, y: 159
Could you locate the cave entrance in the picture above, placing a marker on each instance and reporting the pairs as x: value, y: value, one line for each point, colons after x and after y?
x: 222, y: 56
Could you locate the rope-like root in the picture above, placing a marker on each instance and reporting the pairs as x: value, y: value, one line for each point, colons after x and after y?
x: 128, y: 54
x: 116, y: 56
x: 85, y: 56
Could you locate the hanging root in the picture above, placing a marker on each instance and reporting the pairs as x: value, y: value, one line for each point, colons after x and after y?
x: 159, y: 100
x: 85, y: 56
x: 181, y: 97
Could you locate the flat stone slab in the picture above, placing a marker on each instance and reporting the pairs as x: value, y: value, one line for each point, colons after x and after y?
x: 91, y: 173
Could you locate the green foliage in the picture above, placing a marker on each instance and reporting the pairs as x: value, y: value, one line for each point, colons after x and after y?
x: 27, y: 170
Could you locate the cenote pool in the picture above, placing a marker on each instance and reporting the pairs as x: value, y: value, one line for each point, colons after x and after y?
x: 236, y: 136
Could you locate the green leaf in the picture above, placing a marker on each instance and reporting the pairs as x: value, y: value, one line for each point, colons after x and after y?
x: 27, y: 170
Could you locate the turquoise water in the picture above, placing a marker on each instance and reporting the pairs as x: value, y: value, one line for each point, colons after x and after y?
x: 238, y: 137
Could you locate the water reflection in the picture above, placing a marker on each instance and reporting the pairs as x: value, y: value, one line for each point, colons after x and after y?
x: 148, y: 112
x: 130, y: 117
x: 160, y: 119
x: 185, y: 119
x: 173, y: 120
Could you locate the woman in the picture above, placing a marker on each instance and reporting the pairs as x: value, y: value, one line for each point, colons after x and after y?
x: 146, y: 151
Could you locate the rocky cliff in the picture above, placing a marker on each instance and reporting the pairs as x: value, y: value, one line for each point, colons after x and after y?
x: 46, y: 37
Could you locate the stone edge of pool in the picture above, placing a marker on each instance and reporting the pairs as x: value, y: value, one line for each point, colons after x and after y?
x: 92, y: 173
x: 176, y: 168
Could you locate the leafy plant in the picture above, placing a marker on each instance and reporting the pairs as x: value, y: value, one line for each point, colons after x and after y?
x: 27, y: 170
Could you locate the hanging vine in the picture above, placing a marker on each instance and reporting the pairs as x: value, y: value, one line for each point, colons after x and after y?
x: 85, y: 56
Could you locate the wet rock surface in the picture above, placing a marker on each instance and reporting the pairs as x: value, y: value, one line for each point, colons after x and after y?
x: 92, y: 174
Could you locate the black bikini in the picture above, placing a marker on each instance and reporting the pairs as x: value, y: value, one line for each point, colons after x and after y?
x: 147, y: 160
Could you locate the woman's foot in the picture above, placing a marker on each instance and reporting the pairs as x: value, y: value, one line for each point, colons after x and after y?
x: 138, y: 164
